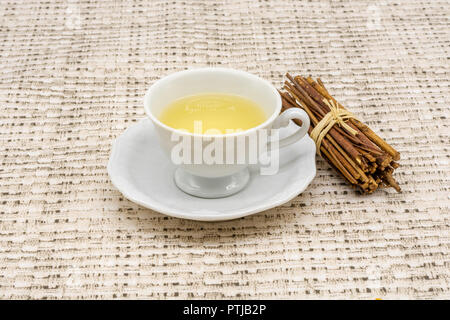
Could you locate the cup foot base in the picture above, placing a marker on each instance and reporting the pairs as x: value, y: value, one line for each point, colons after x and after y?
x: 211, y: 187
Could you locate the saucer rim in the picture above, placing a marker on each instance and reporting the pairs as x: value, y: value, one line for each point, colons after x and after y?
x: 208, y: 217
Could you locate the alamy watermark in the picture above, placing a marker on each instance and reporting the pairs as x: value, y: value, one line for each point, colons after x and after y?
x: 235, y: 147
x: 73, y: 15
x: 374, y: 14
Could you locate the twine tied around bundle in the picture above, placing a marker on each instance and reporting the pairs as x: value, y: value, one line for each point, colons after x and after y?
x: 336, y: 115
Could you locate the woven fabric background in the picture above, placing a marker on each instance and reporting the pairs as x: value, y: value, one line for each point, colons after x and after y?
x: 73, y: 76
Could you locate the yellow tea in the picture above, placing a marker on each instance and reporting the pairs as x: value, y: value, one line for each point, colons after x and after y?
x: 203, y: 113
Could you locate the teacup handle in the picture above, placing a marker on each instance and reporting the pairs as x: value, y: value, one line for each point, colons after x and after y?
x: 283, y: 121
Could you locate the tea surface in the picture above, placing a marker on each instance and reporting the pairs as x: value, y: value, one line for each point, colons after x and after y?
x: 213, y: 113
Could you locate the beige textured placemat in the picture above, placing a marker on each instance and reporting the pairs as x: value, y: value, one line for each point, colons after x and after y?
x: 73, y: 76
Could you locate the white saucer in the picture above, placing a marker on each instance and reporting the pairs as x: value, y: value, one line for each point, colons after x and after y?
x: 144, y: 174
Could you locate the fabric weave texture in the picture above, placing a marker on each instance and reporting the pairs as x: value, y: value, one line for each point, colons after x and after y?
x: 73, y: 77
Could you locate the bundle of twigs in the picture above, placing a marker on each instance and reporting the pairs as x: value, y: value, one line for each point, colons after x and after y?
x: 364, y: 159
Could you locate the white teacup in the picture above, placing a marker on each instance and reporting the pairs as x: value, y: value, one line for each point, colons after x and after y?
x: 218, y: 179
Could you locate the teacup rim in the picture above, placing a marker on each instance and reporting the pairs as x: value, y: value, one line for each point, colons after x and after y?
x: 174, y: 75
